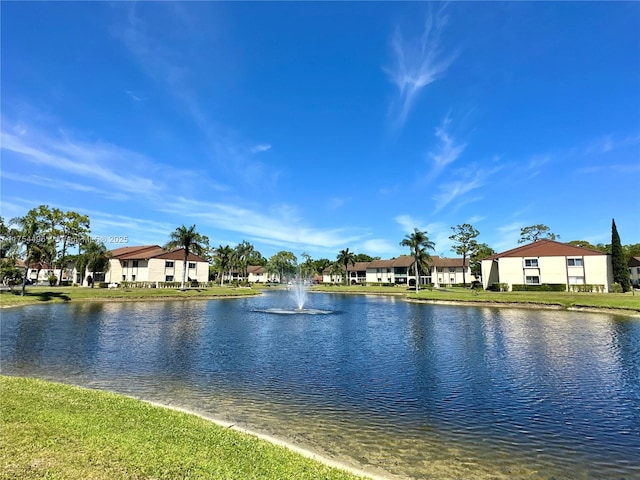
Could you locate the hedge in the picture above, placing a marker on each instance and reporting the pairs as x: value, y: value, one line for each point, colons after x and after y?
x: 545, y: 287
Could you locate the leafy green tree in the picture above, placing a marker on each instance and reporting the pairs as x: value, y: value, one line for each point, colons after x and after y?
x: 536, y: 232
x: 73, y: 228
x: 285, y: 263
x: 191, y: 241
x: 586, y: 244
x: 630, y: 251
x: 320, y: 264
x: 363, y: 257
x: 10, y: 274
x: 223, y: 260
x: 465, y: 237
x: 418, y: 242
x: 480, y: 252
x: 345, y: 257
x: 618, y: 262
x: 307, y: 266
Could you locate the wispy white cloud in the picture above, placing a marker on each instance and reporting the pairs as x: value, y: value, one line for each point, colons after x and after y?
x: 84, y: 160
x: 615, y: 168
x: 56, y: 183
x: 437, y: 232
x: 133, y: 96
x: 418, y: 62
x: 448, y: 150
x: 281, y: 226
x: 378, y: 247
x: 263, y: 147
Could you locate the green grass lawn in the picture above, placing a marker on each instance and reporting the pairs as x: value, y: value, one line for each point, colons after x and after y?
x: 620, y: 301
x: 70, y: 294
x: 55, y: 431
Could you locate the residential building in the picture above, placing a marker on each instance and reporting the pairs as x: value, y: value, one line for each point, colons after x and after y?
x: 151, y: 263
x: 634, y: 271
x: 548, y: 262
x: 399, y: 271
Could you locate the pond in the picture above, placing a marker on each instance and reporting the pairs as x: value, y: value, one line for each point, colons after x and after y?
x: 413, y: 390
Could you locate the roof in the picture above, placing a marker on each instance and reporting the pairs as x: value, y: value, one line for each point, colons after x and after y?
x: 634, y: 262
x: 357, y: 267
x: 255, y: 269
x: 448, y: 262
x: 145, y: 252
x: 547, y: 248
x: 401, y: 261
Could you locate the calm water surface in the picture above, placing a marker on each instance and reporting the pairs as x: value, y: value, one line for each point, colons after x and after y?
x: 418, y: 391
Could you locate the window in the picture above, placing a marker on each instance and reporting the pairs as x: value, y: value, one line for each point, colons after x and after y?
x: 574, y: 262
x: 168, y: 278
x: 532, y: 280
x: 124, y: 278
x: 133, y: 278
x: 576, y: 280
x: 192, y: 264
x: 125, y: 263
x: 135, y: 264
x: 168, y: 264
x: 638, y: 270
x: 452, y: 269
x: 530, y: 262
x: 440, y: 269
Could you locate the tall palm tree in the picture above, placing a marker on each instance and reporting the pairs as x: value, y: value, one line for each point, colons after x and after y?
x: 190, y: 241
x: 345, y: 257
x: 243, y: 252
x: 223, y: 259
x: 96, y: 259
x: 418, y: 242
x: 29, y: 231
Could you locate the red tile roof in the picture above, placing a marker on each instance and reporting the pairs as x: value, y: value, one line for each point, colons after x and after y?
x: 546, y: 248
x: 146, y: 252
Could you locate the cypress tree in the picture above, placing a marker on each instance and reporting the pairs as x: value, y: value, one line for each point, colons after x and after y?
x: 620, y: 269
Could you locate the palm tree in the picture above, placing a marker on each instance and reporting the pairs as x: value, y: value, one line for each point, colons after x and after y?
x: 418, y: 242
x: 223, y: 259
x: 96, y: 259
x: 345, y: 257
x: 243, y: 252
x: 190, y: 241
x: 29, y: 232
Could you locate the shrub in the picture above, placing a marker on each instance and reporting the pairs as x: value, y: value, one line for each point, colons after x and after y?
x: 545, y: 287
x: 52, y: 280
x: 616, y: 288
x: 499, y: 287
x: 103, y: 284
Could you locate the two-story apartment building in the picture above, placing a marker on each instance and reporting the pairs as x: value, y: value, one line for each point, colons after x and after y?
x: 548, y: 262
x: 634, y: 271
x: 151, y: 263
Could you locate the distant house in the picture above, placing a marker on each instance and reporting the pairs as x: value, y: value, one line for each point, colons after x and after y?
x: 548, y: 262
x: 258, y: 274
x: 399, y: 271
x: 151, y: 263
x: 634, y: 271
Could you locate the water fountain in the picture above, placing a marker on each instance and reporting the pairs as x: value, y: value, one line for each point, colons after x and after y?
x: 298, y: 289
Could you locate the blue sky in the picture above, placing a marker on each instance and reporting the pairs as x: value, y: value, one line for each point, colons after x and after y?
x: 314, y: 127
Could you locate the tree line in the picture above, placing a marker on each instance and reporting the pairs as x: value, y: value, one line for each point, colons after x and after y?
x: 45, y: 235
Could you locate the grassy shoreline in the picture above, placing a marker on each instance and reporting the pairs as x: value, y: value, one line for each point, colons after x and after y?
x: 37, y: 295
x: 624, y: 303
x: 52, y: 430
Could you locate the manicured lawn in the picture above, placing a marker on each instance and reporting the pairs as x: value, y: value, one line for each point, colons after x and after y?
x: 70, y: 294
x: 621, y: 301
x: 50, y: 430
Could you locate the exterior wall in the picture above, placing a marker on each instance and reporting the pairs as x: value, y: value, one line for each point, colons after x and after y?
x: 445, y: 275
x: 588, y: 269
x: 379, y: 275
x: 634, y: 272
x: 490, y: 274
x: 599, y: 271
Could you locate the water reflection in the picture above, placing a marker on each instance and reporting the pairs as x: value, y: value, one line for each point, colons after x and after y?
x: 422, y: 391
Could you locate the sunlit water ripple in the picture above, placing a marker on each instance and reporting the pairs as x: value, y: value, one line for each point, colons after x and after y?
x: 419, y: 391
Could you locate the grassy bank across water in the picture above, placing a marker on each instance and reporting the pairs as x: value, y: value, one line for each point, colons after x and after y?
x: 36, y: 295
x: 51, y: 430
x: 623, y: 302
